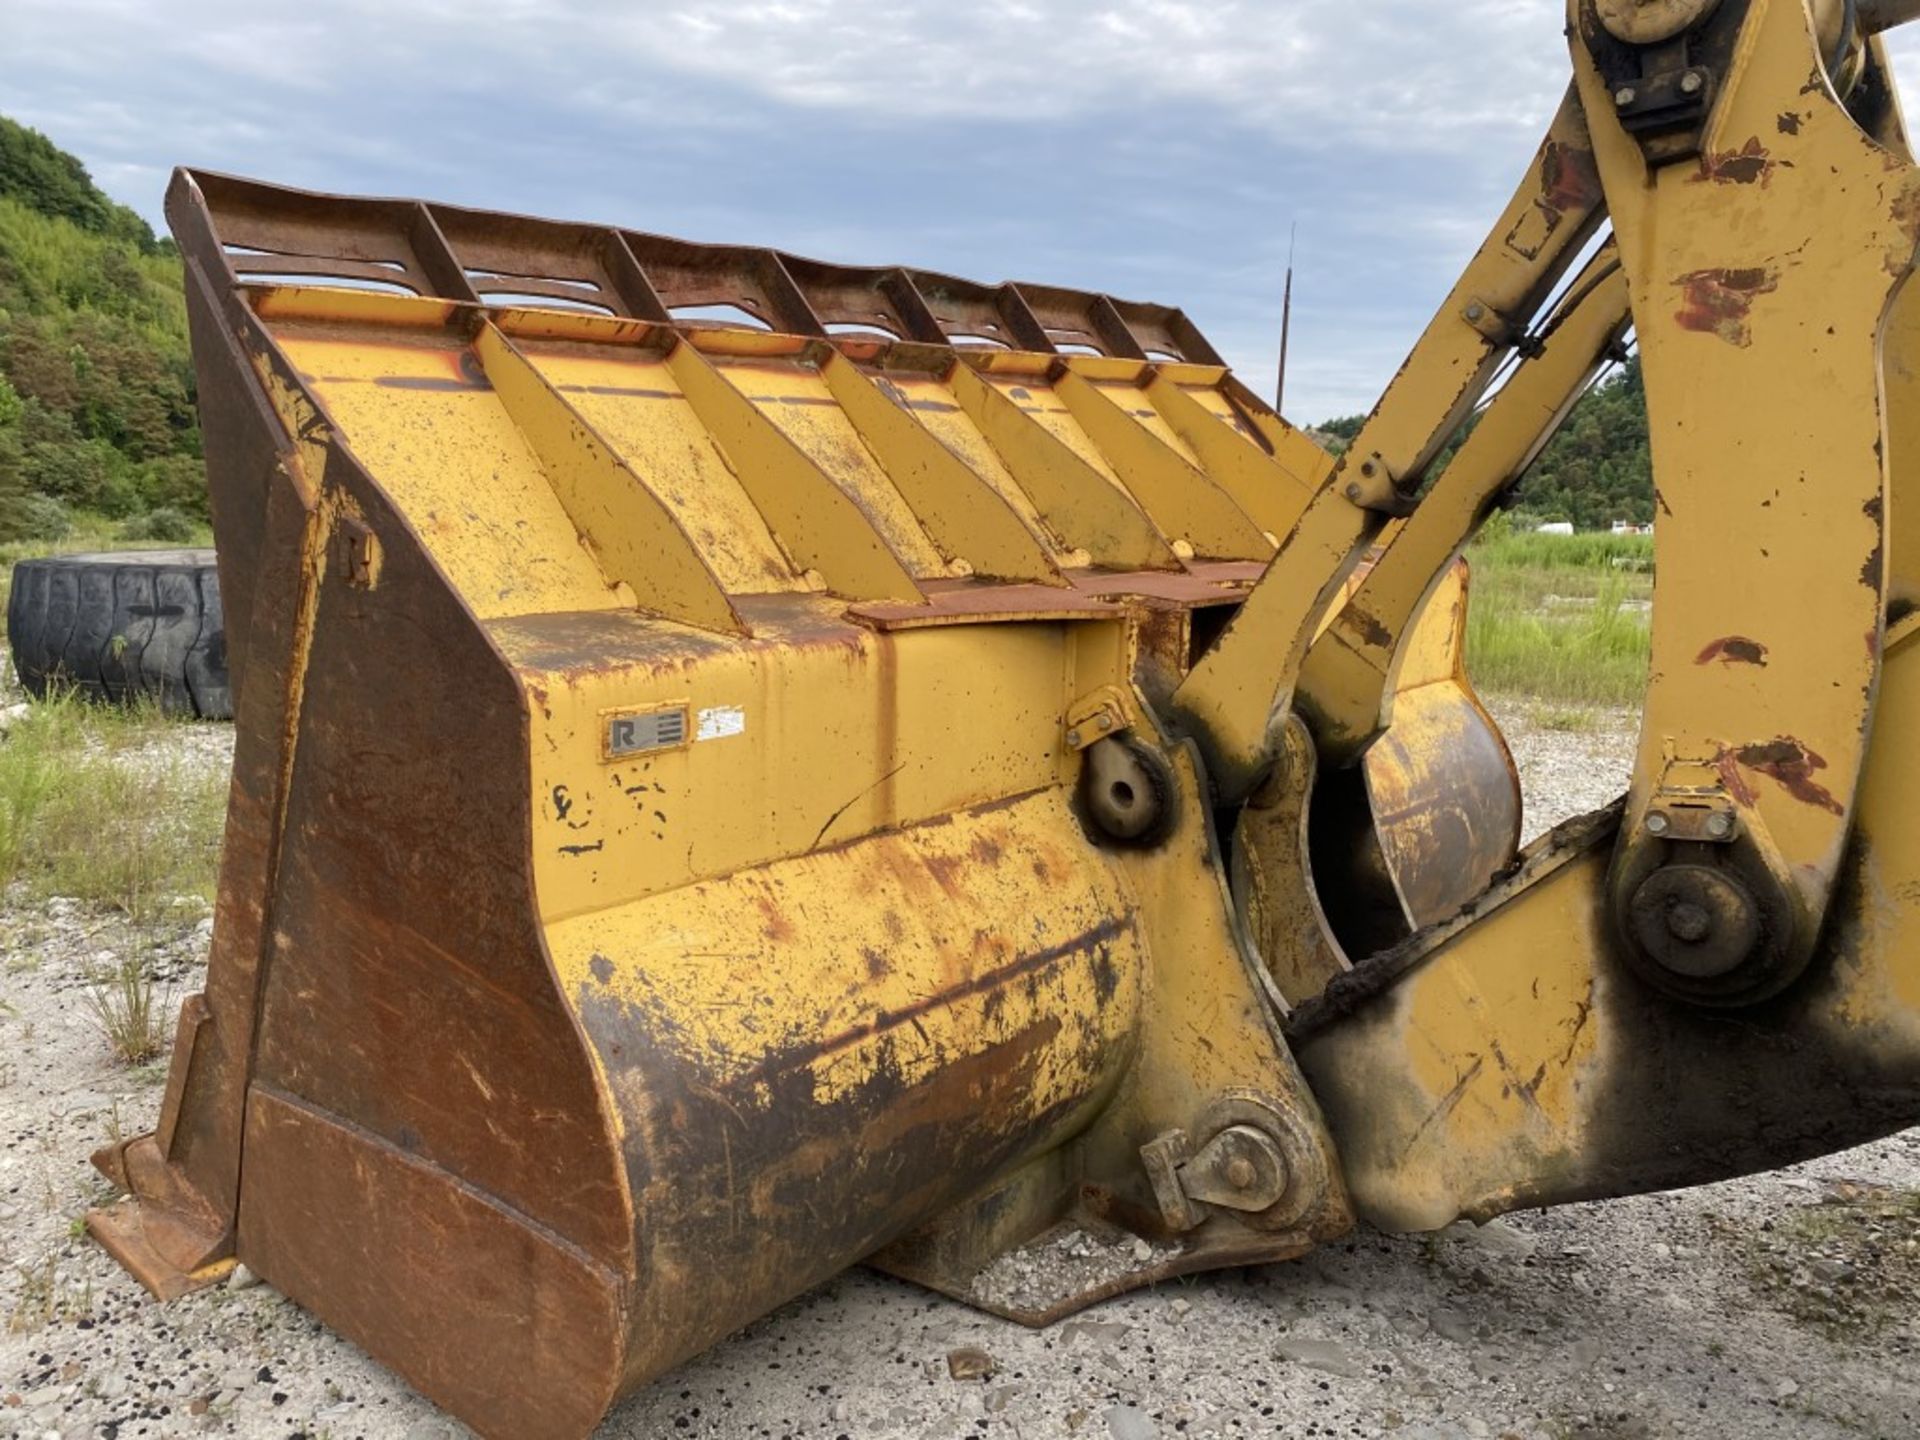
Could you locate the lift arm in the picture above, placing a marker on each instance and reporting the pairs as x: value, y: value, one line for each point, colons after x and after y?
x: 1234, y: 702
x: 1718, y: 977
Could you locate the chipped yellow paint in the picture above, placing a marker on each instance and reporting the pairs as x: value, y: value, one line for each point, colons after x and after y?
x: 1483, y: 1079
x: 1042, y: 401
x: 1075, y: 497
x: 933, y: 405
x: 1445, y: 800
x: 1797, y: 251
x: 1906, y: 985
x: 819, y: 524
x: 797, y: 400
x: 1436, y: 642
x: 1504, y: 1054
x: 773, y: 970
x: 636, y: 540
x: 1239, y: 694
x: 963, y: 515
x: 1206, y: 1032
x: 1885, y: 989
x: 821, y: 732
x: 1224, y: 447
x: 421, y: 417
x: 1211, y: 993
x: 1494, y: 1041
x: 309, y: 432
x: 1131, y: 399
x: 331, y: 303
x: 630, y: 396
x: 1182, y: 500
x: 1290, y: 446
x: 1900, y: 370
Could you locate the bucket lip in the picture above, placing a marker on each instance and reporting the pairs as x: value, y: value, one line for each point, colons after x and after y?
x: 235, y: 225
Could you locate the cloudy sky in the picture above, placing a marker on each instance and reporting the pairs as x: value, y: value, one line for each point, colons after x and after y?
x: 1153, y: 149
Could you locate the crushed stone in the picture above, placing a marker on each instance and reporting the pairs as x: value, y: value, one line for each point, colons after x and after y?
x: 1679, y: 1315
x: 1064, y: 1263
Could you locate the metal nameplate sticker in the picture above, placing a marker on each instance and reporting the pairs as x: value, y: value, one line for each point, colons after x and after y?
x: 640, y: 732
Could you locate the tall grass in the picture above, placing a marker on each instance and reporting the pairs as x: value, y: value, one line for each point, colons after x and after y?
x: 87, y: 532
x: 96, y: 807
x: 1527, y: 549
x: 1561, y: 618
x: 29, y: 775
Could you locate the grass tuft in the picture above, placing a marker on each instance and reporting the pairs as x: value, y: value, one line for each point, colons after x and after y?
x: 93, y: 807
x: 1565, y: 719
x: 43, y: 1298
x: 123, y: 1003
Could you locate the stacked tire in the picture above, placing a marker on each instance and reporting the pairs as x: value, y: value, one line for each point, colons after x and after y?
x: 123, y: 625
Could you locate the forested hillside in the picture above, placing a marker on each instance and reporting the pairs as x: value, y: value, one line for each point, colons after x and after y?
x: 1598, y: 468
x: 96, y: 392
x: 1595, y: 471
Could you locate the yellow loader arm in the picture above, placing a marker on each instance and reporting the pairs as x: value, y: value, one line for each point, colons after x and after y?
x: 1716, y: 978
x: 746, y: 765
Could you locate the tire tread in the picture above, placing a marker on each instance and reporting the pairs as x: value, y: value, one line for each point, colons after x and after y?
x: 118, y: 626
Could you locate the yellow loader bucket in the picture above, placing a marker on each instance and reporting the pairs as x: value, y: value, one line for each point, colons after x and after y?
x: 696, y: 821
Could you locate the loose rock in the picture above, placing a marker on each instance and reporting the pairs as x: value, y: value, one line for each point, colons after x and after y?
x: 1126, y: 1423
x: 1325, y: 1355
x: 970, y: 1363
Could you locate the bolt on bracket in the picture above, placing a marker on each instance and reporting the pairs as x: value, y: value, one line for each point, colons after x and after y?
x: 1094, y: 718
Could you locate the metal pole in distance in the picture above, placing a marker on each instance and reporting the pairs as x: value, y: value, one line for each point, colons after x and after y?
x: 1286, y: 325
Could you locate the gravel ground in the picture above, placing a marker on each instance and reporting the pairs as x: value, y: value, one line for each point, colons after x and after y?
x: 1571, y: 762
x: 1771, y: 1307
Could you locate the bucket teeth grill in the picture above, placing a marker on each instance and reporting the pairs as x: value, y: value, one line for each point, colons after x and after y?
x: 716, y: 422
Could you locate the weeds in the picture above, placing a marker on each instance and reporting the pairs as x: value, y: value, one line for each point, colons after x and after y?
x: 1562, y: 619
x: 85, y: 532
x: 1847, y: 1267
x: 44, y: 1300
x: 39, y: 1294
x: 116, y: 1127
x: 122, y: 1001
x: 93, y: 808
x: 1529, y: 550
x: 29, y: 769
x: 1565, y: 720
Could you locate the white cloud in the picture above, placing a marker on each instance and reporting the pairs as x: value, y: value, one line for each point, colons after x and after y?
x: 1392, y: 72
x: 1159, y: 149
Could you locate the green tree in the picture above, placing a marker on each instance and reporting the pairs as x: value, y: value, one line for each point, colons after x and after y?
x: 1338, y: 433
x: 1596, y: 470
x: 1599, y: 468
x: 38, y: 173
x: 96, y: 386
